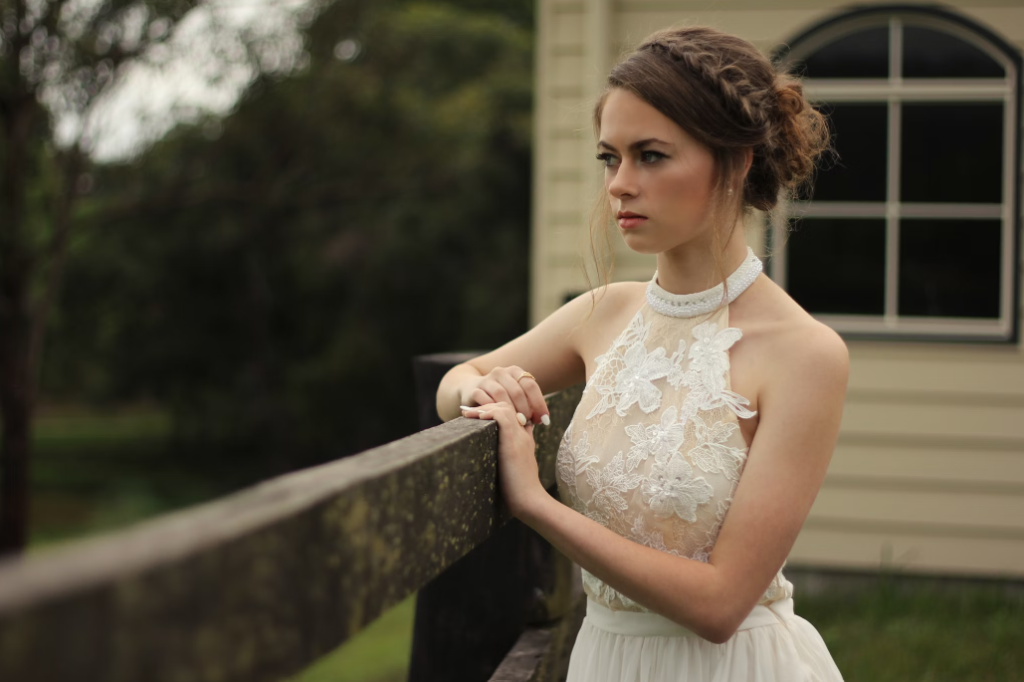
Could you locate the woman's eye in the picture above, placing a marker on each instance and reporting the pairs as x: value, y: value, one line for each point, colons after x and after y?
x: 651, y: 157
x: 607, y: 158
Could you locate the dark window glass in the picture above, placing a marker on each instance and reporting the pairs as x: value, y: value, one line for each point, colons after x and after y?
x: 949, y: 268
x: 933, y: 54
x: 864, y: 54
x: 952, y: 153
x: 837, y: 265
x: 860, y: 136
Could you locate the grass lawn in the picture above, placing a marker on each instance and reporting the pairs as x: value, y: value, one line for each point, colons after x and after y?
x: 923, y: 630
x: 380, y: 653
x: 96, y: 472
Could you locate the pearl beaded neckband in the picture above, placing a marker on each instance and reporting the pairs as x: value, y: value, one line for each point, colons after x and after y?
x: 702, y: 302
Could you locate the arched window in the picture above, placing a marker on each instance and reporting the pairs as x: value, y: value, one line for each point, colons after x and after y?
x: 911, y: 232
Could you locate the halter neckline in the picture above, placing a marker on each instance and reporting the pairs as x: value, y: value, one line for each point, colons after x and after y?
x: 702, y: 302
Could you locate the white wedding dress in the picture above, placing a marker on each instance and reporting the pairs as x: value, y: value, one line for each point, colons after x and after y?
x: 654, y: 452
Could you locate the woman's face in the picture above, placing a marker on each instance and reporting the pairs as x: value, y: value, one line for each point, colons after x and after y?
x: 654, y: 169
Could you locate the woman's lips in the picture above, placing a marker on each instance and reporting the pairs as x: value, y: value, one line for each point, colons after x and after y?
x: 631, y: 222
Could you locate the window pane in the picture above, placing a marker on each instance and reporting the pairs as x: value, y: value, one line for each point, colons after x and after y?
x: 950, y: 268
x: 933, y: 54
x: 860, y: 136
x: 952, y: 153
x: 864, y: 54
x: 837, y: 265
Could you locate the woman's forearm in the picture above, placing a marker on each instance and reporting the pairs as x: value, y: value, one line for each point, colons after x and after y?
x: 449, y: 389
x: 683, y: 590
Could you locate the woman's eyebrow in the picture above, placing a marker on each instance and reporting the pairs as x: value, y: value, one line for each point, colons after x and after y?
x: 636, y: 145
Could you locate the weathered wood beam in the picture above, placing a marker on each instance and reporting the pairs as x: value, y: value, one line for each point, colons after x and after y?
x: 257, y: 585
x: 541, y: 654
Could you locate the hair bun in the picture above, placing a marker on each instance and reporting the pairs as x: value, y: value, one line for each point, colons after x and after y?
x: 790, y: 96
x: 798, y: 136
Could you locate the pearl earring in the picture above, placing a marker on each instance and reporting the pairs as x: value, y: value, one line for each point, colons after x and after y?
x: 729, y: 193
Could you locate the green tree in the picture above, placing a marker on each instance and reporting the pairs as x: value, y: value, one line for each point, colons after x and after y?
x: 269, y: 276
x: 56, y: 57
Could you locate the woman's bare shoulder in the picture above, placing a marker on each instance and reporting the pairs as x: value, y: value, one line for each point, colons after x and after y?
x: 799, y: 344
x: 553, y: 349
x: 777, y: 328
x: 608, y: 301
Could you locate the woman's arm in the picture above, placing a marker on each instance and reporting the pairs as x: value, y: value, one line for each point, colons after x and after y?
x: 800, y: 410
x: 550, y: 351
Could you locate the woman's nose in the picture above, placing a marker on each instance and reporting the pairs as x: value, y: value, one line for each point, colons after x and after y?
x: 624, y: 182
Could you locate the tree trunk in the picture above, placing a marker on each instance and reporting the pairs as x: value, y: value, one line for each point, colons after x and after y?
x: 16, y: 268
x: 16, y: 419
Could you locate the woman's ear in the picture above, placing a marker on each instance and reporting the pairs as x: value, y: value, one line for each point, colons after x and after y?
x: 748, y: 160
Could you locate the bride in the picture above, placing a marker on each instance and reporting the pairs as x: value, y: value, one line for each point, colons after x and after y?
x: 712, y: 400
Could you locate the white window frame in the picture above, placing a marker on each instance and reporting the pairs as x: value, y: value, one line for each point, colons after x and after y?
x: 895, y: 90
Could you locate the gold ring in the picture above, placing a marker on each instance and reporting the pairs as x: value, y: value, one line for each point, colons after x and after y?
x: 525, y: 374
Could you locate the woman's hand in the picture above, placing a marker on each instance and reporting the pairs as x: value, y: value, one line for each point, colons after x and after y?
x: 518, y: 473
x: 509, y: 385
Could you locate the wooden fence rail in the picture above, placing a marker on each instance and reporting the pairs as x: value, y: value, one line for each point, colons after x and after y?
x: 257, y: 585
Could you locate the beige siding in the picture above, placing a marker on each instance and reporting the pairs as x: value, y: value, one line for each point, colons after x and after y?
x: 928, y: 475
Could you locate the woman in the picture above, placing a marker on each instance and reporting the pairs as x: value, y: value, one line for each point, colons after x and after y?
x: 706, y: 372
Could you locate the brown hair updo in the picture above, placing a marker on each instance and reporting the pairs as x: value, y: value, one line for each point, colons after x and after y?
x: 729, y: 97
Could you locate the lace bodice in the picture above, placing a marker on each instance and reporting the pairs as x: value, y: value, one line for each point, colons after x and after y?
x: 654, y: 450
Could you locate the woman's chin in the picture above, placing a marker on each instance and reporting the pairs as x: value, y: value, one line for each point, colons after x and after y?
x: 638, y: 244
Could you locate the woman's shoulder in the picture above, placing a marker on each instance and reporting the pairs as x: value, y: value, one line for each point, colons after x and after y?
x: 800, y: 344
x: 797, y: 344
x: 608, y: 302
x: 601, y: 313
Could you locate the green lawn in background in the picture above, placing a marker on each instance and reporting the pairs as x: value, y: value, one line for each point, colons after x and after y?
x: 380, y: 653
x: 922, y: 630
x: 93, y: 473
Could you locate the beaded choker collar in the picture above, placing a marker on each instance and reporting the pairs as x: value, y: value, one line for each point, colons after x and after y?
x: 703, y: 302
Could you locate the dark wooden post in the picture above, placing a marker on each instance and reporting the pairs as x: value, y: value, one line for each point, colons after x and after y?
x: 470, y: 616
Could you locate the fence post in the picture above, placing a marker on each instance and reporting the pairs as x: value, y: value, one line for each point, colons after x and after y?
x: 469, y: 617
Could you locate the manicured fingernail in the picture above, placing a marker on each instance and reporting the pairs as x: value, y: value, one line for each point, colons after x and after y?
x: 467, y: 407
x: 521, y: 417
x: 545, y: 420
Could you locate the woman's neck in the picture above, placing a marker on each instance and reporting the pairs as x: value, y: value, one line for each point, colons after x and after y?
x: 690, y: 267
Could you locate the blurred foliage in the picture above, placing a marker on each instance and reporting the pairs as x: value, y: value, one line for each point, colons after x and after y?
x: 269, y: 276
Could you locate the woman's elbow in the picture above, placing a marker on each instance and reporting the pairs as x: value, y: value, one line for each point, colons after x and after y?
x: 720, y: 633
x: 720, y: 626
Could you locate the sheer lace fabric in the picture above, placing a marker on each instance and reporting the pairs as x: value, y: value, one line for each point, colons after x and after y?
x: 654, y: 450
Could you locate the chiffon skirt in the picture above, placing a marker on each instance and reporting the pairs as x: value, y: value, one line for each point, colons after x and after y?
x: 772, y: 645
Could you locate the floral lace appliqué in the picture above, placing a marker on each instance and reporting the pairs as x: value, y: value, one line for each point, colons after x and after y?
x: 634, y: 382
x: 672, y: 489
x: 709, y: 364
x: 608, y: 485
x: 660, y: 440
x: 712, y: 455
x: 573, y: 460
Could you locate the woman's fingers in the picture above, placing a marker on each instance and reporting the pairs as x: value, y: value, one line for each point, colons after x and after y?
x: 509, y: 414
x: 504, y: 385
x: 481, y: 397
x: 538, y: 407
x: 513, y: 389
x: 522, y: 398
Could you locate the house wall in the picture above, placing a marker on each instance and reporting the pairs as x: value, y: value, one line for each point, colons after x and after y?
x: 928, y: 474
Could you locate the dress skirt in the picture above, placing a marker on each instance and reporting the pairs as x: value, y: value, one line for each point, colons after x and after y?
x: 772, y: 645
